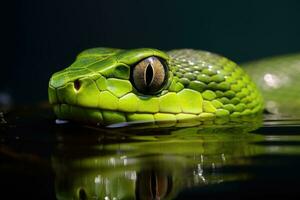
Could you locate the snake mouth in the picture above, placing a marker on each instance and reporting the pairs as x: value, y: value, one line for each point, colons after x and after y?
x: 108, y: 117
x: 115, y: 119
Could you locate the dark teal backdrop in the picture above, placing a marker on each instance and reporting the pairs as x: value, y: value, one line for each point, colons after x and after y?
x: 41, y: 37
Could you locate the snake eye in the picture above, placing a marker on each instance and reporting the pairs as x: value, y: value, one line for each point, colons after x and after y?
x: 149, y: 75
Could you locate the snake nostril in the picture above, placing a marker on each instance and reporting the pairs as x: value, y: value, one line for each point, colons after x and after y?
x: 77, y: 84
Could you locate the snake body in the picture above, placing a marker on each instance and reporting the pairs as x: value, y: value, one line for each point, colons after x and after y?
x: 278, y: 80
x: 107, y: 86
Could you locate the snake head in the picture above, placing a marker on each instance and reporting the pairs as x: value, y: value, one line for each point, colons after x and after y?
x: 107, y: 86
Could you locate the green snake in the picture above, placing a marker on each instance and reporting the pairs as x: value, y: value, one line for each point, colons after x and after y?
x: 107, y: 86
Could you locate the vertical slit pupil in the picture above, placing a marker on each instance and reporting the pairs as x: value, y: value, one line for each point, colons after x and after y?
x: 149, y: 75
x: 153, y: 185
x: 82, y: 194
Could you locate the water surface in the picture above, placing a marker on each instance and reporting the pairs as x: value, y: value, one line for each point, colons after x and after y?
x: 44, y: 160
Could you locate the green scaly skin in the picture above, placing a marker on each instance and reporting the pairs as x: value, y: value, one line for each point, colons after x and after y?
x: 278, y: 80
x: 202, y: 88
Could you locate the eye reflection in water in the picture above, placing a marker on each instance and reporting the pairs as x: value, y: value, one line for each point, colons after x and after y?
x: 149, y: 167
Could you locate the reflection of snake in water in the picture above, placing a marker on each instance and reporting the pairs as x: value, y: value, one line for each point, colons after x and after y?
x: 148, y: 167
x: 107, y: 86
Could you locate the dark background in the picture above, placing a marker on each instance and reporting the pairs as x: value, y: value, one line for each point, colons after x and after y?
x: 41, y: 37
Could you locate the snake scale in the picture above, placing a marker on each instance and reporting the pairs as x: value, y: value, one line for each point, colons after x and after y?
x: 107, y: 86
